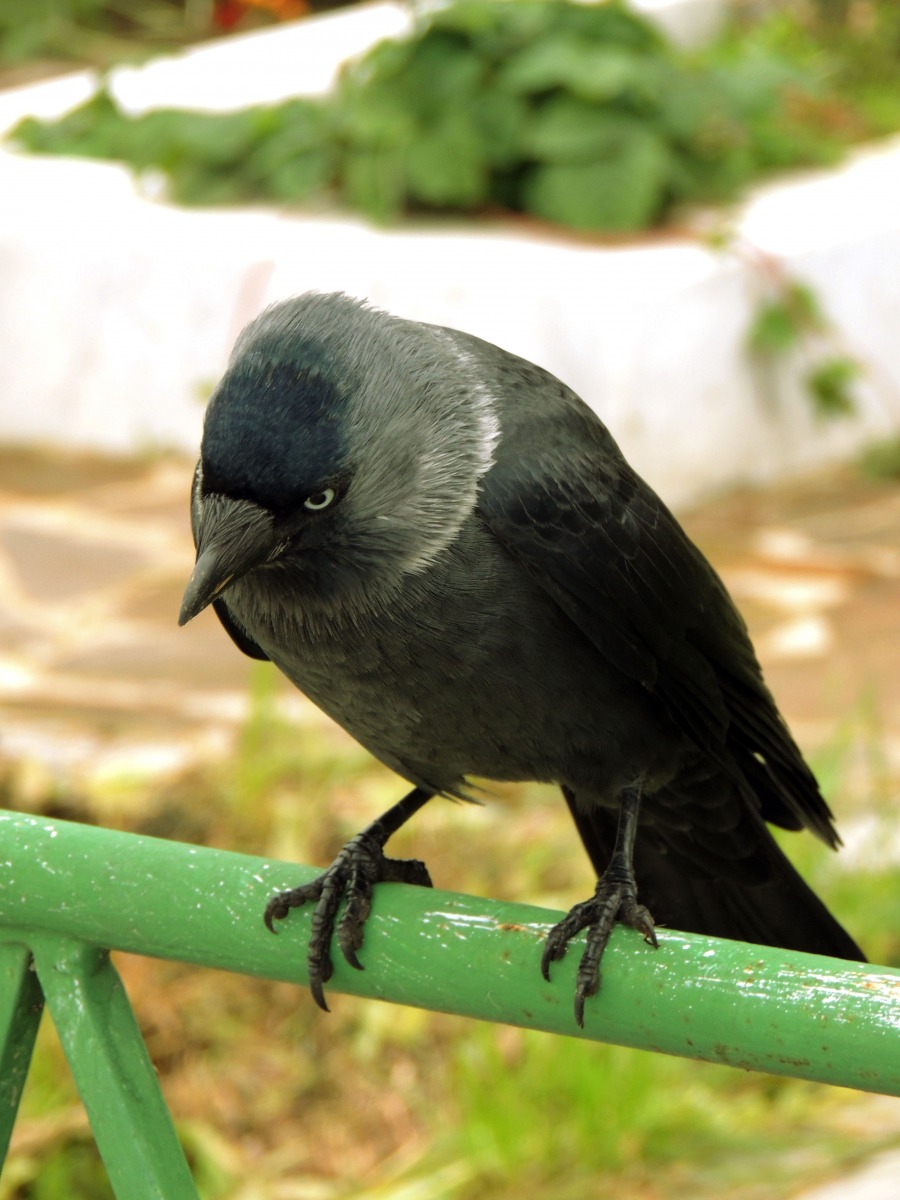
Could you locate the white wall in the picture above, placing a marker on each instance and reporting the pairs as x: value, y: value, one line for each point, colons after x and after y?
x: 117, y: 312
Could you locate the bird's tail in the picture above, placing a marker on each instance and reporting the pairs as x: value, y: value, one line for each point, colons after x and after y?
x: 778, y: 910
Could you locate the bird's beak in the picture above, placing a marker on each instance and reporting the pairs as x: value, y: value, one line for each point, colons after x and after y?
x: 233, y: 537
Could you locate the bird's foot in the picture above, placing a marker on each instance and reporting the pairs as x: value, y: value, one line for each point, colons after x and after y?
x: 614, y: 900
x: 358, y: 867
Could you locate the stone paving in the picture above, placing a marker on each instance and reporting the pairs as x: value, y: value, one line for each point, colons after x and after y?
x: 95, y: 675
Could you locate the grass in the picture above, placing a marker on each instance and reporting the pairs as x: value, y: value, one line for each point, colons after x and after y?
x: 276, y: 1101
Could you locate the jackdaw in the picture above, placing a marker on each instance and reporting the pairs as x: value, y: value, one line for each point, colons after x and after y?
x: 443, y: 547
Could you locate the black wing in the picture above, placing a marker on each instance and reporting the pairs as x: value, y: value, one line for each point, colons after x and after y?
x: 563, y: 501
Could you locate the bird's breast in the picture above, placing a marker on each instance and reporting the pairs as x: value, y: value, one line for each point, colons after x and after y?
x: 470, y: 669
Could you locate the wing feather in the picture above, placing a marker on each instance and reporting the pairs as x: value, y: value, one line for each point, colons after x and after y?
x: 618, y: 563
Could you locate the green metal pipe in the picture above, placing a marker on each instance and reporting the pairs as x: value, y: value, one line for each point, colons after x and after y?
x: 748, y: 1006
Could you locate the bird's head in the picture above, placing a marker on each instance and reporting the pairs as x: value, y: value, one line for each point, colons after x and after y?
x: 342, y: 445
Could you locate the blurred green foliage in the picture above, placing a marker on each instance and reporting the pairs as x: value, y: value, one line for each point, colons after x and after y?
x: 284, y: 153
x: 881, y: 460
x: 830, y: 383
x: 853, y: 46
x: 273, y: 1099
x: 97, y: 30
x: 792, y: 319
x: 785, y: 318
x: 582, y: 115
x: 104, y: 32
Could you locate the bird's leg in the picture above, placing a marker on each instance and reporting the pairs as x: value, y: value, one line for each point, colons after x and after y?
x: 358, y: 867
x: 615, y: 899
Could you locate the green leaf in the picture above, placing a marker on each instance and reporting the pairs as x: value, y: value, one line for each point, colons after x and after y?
x: 447, y: 166
x: 386, y: 60
x: 831, y: 385
x: 442, y: 75
x: 565, y: 129
x: 772, y: 331
x: 497, y: 28
x: 483, y: 97
x: 781, y: 322
x: 613, y: 23
x: 375, y: 116
x: 584, y: 68
x: 503, y: 122
x: 96, y: 129
x: 298, y: 157
x: 300, y: 177
x: 494, y: 30
x: 697, y: 109
x: 623, y: 192
x: 435, y: 73
x: 197, y: 185
x: 804, y: 307
x: 375, y: 182
x: 167, y: 136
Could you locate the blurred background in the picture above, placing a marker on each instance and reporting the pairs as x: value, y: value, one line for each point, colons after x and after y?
x: 689, y: 210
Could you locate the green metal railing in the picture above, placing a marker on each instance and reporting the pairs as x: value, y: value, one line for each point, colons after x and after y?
x: 71, y: 893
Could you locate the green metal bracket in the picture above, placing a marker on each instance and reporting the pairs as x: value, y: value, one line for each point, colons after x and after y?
x: 70, y: 893
x: 21, y: 1004
x: 104, y: 1048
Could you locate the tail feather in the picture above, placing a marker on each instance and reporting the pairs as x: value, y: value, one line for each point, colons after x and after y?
x: 780, y: 910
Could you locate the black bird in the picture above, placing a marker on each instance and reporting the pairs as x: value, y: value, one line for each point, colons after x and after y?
x: 443, y: 547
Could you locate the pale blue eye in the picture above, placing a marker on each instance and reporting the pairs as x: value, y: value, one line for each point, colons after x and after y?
x: 319, y: 500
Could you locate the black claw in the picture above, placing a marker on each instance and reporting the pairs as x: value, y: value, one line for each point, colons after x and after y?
x: 546, y: 960
x: 318, y: 959
x: 614, y: 900
x: 282, y: 903
x: 350, y: 929
x: 579, y: 1008
x: 644, y: 925
x: 318, y: 991
x: 555, y: 946
x: 352, y: 876
x: 587, y: 981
